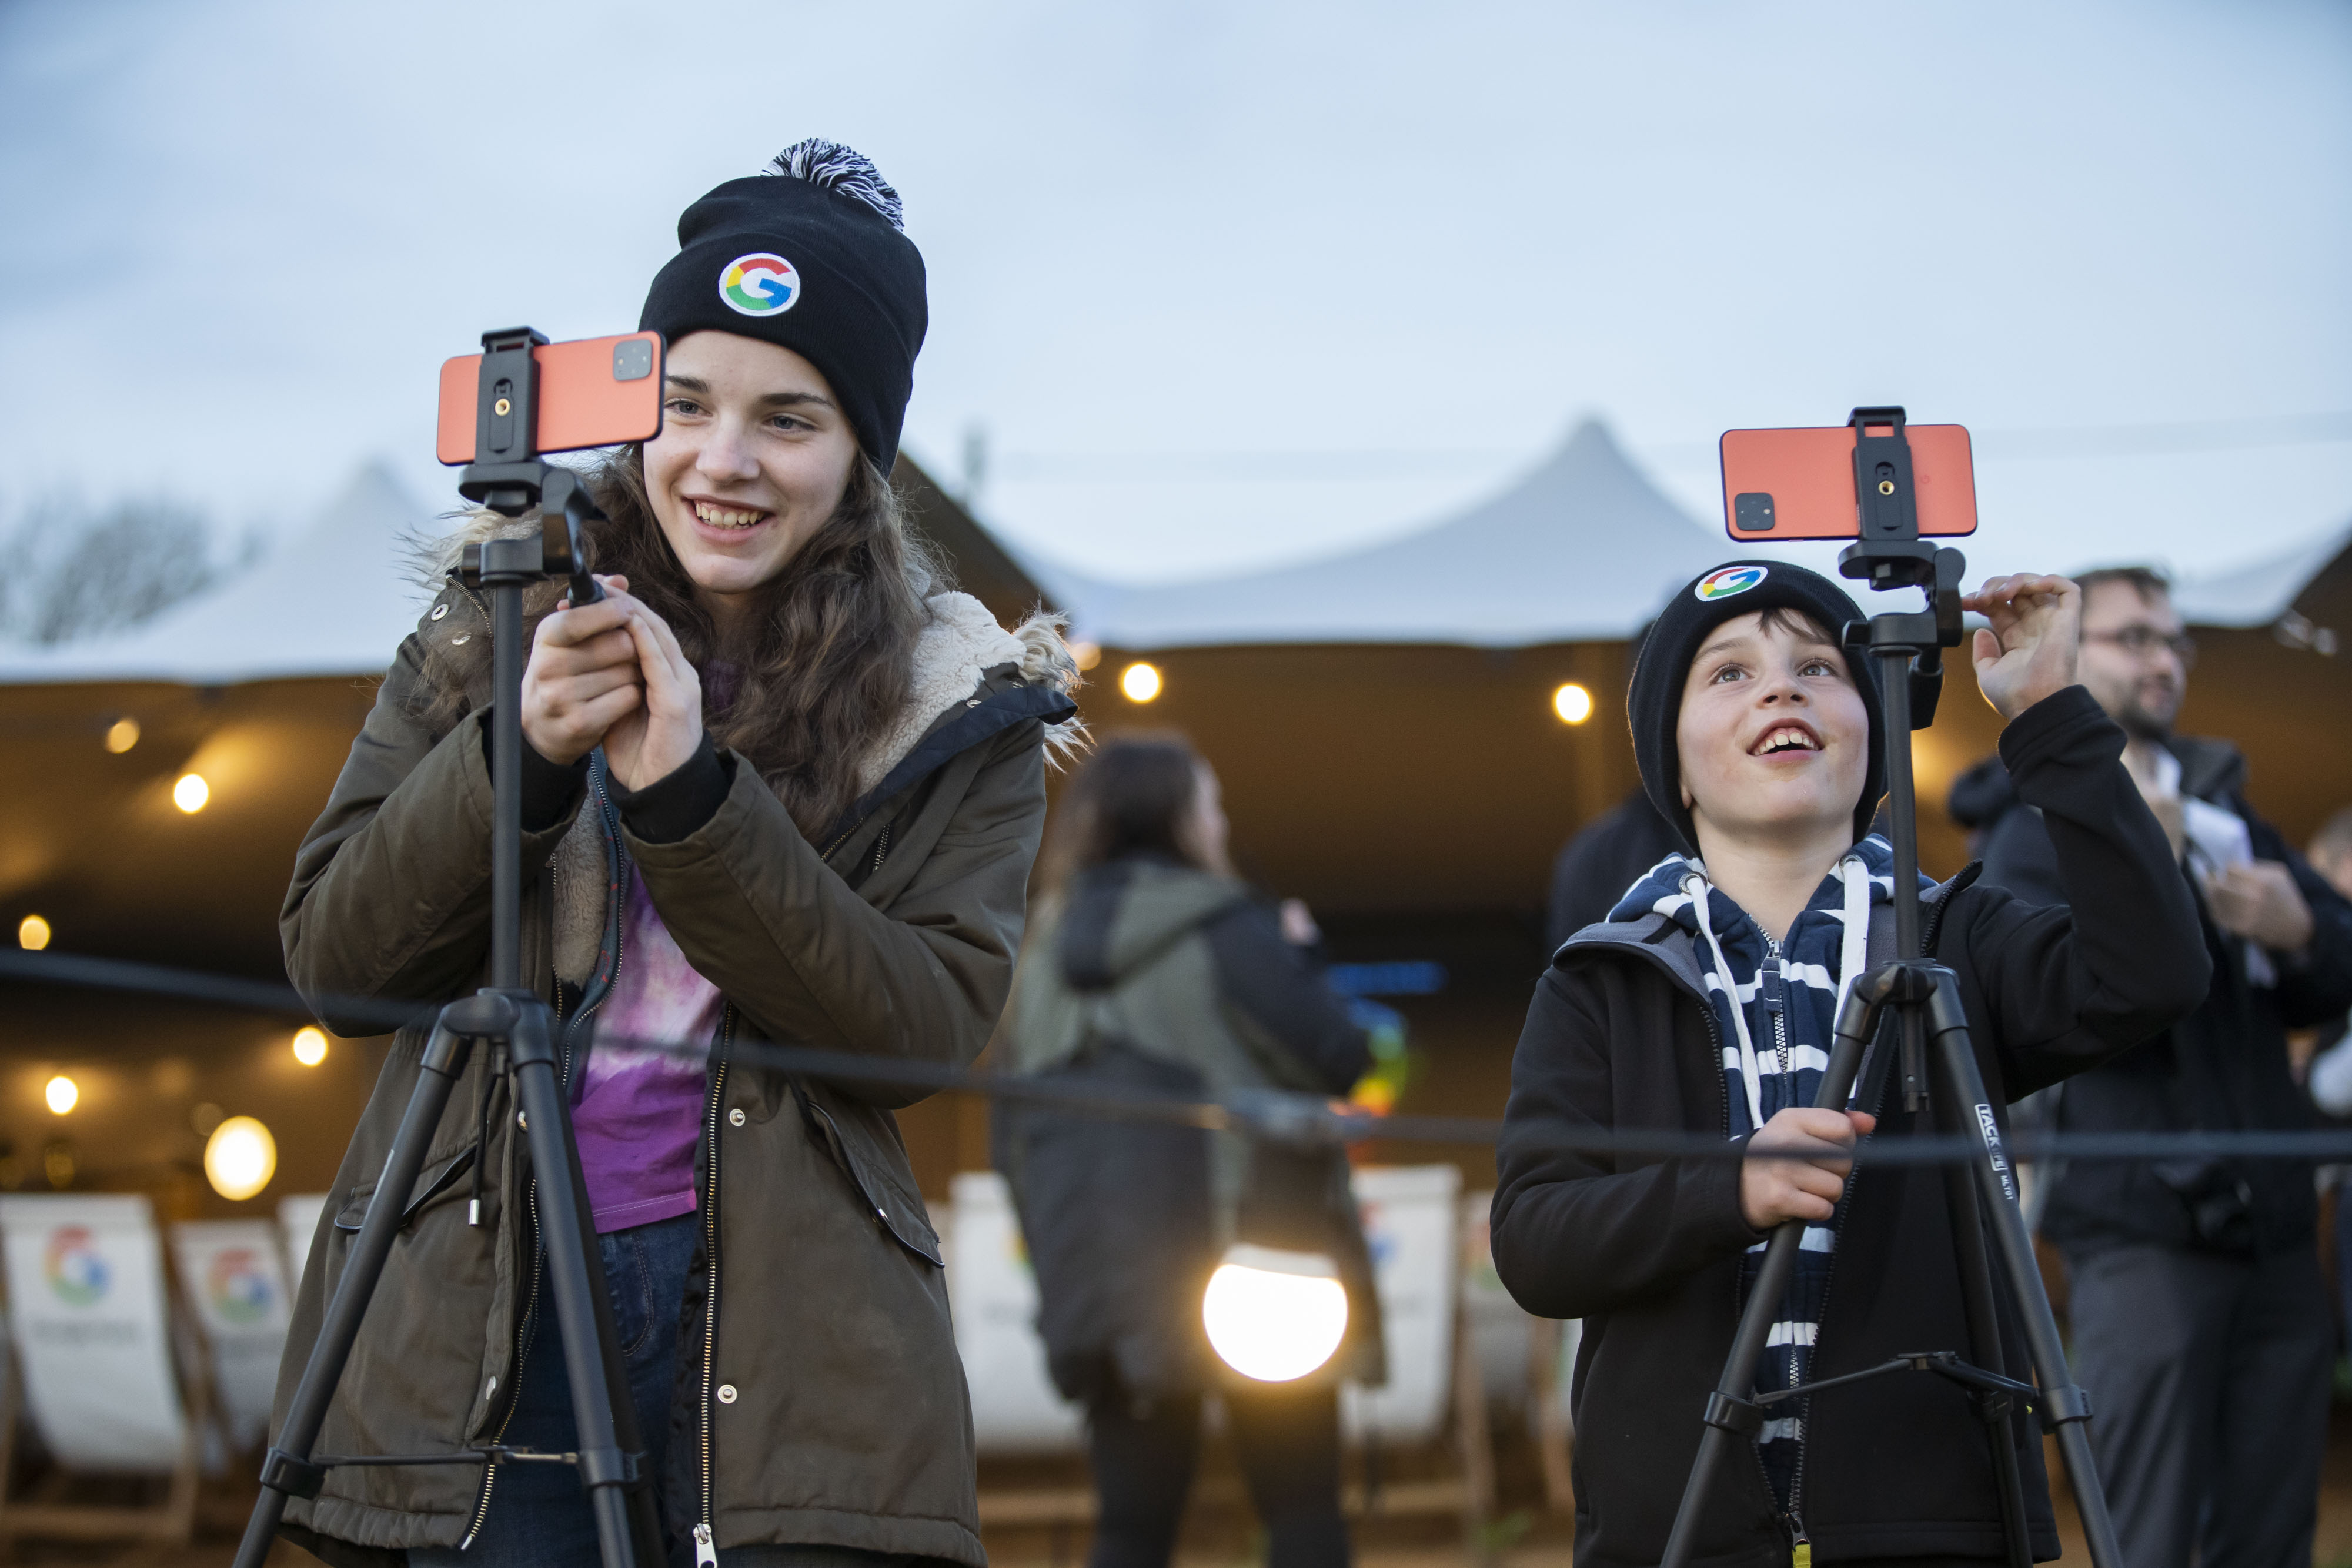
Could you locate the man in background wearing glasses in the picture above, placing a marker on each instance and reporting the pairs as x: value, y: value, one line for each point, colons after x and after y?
x: 2201, y: 1327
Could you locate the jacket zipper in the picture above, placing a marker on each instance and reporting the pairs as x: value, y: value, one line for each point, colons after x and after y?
x: 1800, y: 1547
x: 514, y: 1381
x: 706, y: 1547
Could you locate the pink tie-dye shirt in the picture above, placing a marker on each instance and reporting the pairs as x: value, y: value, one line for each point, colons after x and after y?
x: 640, y: 1112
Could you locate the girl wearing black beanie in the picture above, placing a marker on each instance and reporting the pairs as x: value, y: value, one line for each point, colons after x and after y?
x: 781, y: 783
x: 1705, y: 1004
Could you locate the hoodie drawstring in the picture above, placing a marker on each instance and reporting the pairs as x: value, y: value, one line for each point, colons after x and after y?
x: 1853, y: 950
x: 1751, y: 1074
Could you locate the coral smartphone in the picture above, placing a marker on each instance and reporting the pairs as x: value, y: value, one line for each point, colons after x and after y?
x: 594, y: 392
x: 1799, y: 484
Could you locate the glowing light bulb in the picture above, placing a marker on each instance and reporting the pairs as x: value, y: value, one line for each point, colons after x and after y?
x: 121, y: 735
x: 240, y: 1158
x: 1274, y: 1316
x: 62, y: 1094
x: 191, y: 794
x: 1572, y: 702
x: 1140, y: 682
x: 32, y: 934
x: 309, y: 1045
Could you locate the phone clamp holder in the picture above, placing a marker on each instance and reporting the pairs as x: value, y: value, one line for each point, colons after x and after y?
x: 509, y: 477
x: 1938, y: 1072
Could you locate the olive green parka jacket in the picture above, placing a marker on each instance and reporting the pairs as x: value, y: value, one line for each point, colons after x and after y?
x: 817, y: 1301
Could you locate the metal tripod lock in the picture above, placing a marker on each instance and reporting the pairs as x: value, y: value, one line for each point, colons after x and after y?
x: 1937, y: 1068
x: 509, y: 477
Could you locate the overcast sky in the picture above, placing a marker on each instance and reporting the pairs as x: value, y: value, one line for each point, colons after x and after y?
x: 1226, y: 284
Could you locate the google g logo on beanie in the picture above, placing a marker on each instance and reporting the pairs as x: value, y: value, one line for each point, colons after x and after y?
x: 761, y: 283
x: 1726, y: 580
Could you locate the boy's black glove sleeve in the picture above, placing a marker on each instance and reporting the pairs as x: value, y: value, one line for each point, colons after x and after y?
x: 2124, y: 957
x: 1575, y: 1232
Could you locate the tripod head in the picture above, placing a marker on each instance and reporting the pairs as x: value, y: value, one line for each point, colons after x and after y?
x: 509, y: 477
x: 1888, y: 554
x: 1906, y: 651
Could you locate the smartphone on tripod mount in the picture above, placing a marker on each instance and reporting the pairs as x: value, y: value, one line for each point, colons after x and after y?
x: 1781, y: 485
x: 592, y: 392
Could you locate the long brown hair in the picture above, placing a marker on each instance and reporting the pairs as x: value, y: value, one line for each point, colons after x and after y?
x: 822, y: 666
x: 1134, y: 795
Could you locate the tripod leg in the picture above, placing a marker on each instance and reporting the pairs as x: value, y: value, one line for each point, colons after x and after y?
x: 1960, y: 1201
x: 610, y: 1444
x: 286, y: 1470
x: 2067, y: 1410
x: 1730, y: 1416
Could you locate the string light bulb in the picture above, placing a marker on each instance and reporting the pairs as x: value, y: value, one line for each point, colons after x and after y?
x: 309, y: 1045
x: 240, y: 1158
x: 1140, y: 682
x: 191, y: 794
x: 121, y: 735
x: 1572, y: 702
x: 32, y: 934
x: 62, y: 1094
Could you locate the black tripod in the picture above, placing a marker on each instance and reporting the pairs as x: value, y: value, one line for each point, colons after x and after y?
x: 1906, y: 651
x: 509, y: 476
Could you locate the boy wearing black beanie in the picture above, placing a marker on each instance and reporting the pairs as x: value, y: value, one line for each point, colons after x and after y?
x: 1706, y: 1004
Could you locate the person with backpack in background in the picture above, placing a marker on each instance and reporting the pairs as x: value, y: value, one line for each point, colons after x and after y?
x: 1152, y: 968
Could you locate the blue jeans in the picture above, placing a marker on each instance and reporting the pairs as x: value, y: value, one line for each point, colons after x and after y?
x: 539, y: 1515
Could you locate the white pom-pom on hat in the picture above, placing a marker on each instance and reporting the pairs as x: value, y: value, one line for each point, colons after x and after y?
x: 845, y: 169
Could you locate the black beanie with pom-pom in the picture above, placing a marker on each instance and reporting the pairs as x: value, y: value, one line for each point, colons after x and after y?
x: 1653, y: 704
x: 808, y: 255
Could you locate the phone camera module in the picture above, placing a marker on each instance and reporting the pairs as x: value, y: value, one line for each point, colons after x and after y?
x: 1751, y: 513
x: 633, y: 359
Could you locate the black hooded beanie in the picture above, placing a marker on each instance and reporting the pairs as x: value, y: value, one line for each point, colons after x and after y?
x: 1653, y: 704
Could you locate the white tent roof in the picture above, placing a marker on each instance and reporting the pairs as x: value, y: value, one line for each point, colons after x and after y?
x: 2259, y: 594
x: 1582, y: 549
x: 335, y: 601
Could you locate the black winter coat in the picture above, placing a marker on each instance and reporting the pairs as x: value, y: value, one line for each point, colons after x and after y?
x: 1647, y: 1251
x: 2224, y: 1066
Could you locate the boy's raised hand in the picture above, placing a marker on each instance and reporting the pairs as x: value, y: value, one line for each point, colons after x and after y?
x: 1775, y: 1190
x: 2029, y: 652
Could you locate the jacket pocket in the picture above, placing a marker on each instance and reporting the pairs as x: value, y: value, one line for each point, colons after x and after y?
x: 898, y: 1212
x: 432, y: 1182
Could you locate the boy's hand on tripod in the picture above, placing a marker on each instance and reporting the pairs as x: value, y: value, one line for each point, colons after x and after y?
x: 582, y: 677
x: 2029, y: 652
x: 1774, y: 1190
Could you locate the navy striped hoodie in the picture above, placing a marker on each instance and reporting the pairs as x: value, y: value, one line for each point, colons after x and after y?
x: 1776, y: 1042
